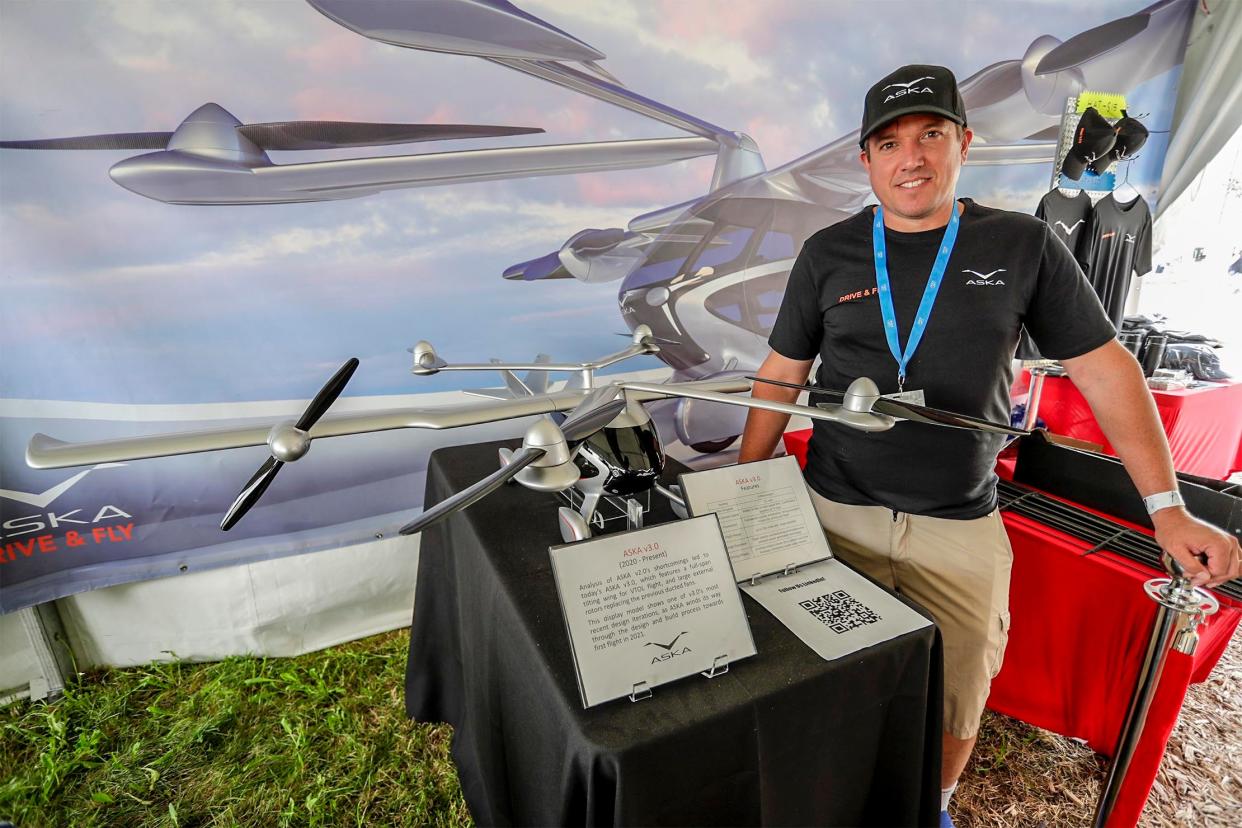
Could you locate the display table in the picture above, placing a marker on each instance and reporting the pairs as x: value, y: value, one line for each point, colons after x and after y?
x: 1080, y: 624
x: 1204, y: 425
x: 782, y: 738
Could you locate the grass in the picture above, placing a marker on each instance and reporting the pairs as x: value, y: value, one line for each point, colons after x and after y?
x: 321, y: 739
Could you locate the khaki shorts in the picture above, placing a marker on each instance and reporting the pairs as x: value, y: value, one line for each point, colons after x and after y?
x: 958, y: 570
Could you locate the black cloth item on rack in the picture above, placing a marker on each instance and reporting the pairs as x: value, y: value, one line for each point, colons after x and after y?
x: 1093, y: 138
x: 1119, y: 245
x: 1200, y: 360
x: 1069, y: 218
x: 1131, y: 135
x: 1146, y: 325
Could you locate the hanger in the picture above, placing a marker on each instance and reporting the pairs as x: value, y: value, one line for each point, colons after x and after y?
x: 1125, y: 192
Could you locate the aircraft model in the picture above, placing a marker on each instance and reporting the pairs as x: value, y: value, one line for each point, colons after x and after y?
x: 607, y: 448
x: 707, y: 275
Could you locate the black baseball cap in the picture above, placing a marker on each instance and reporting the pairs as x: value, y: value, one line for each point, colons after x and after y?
x: 1131, y: 135
x: 1094, y: 138
x: 910, y: 90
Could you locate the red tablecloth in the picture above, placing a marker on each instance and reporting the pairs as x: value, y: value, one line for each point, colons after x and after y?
x: 1204, y: 425
x: 1080, y: 628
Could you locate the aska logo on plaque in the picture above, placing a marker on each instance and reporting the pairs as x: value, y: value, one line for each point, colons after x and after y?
x: 669, y: 649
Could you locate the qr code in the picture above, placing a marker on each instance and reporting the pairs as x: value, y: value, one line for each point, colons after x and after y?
x: 839, y: 611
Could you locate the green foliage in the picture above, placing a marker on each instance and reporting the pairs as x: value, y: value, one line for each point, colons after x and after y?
x: 321, y: 739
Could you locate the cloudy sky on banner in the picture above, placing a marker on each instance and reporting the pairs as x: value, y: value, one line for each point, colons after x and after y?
x: 111, y: 297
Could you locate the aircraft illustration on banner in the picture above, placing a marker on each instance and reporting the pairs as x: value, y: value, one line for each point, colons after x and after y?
x: 707, y: 275
x: 214, y: 159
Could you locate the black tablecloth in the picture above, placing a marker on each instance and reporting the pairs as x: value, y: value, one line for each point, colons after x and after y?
x: 782, y: 738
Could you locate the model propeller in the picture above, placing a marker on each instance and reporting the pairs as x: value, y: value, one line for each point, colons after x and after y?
x: 288, y: 442
x: 900, y: 409
x: 547, y: 449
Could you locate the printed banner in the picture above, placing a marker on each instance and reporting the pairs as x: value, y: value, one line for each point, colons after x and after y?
x: 208, y: 207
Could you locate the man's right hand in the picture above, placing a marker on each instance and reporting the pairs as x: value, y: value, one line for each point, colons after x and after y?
x: 764, y: 428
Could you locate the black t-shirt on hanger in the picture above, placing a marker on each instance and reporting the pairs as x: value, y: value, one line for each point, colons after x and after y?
x: 1119, y: 245
x: 1069, y: 218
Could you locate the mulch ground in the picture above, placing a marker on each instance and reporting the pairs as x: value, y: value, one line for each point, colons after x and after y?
x: 1024, y: 776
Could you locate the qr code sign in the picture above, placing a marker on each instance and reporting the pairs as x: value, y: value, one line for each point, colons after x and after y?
x: 839, y: 611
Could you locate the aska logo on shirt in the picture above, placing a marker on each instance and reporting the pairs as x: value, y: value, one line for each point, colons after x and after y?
x: 1129, y: 239
x: 985, y: 278
x: 858, y: 294
x: 907, y: 88
x: 1069, y: 230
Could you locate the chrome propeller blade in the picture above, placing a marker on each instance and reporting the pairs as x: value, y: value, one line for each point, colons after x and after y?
x: 910, y: 411
x: 520, y: 460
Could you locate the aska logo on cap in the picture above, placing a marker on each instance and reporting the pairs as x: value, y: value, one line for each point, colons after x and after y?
x: 905, y: 88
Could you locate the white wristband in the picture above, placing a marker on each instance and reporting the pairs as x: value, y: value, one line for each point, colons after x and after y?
x: 1163, y: 500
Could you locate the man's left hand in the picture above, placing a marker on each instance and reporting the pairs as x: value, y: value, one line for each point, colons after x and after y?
x: 1208, y: 556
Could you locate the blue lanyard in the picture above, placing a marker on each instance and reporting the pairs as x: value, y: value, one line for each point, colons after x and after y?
x: 929, y: 292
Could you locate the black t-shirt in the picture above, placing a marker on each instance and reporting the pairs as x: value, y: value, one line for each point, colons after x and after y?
x: 1069, y: 219
x: 1005, y: 271
x: 1119, y: 244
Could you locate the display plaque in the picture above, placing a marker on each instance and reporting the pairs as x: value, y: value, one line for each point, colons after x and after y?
x: 782, y: 557
x: 649, y: 606
x: 766, y: 515
x: 833, y: 609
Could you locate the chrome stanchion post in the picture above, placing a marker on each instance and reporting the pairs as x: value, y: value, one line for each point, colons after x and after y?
x: 1036, y: 391
x: 1182, y: 608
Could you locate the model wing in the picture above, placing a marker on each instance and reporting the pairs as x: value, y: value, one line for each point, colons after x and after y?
x: 45, y: 452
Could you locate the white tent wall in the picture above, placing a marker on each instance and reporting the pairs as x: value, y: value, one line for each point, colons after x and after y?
x: 19, y: 666
x: 282, y: 607
x: 1196, y: 240
x: 1209, y: 99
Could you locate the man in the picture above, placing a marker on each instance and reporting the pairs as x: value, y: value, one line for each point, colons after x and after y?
x: 929, y: 293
